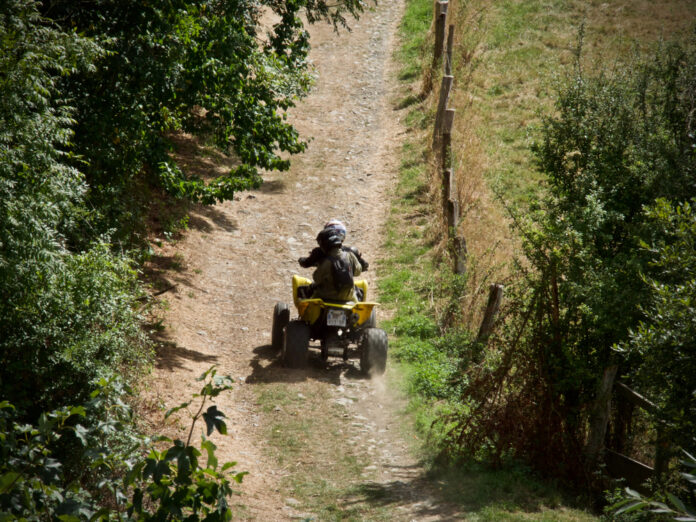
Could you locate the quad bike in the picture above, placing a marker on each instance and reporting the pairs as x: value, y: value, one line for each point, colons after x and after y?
x: 336, y: 325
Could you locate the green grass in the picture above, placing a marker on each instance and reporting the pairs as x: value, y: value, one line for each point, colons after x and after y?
x: 528, y: 45
x: 418, y: 289
x: 511, y: 89
x: 414, y: 26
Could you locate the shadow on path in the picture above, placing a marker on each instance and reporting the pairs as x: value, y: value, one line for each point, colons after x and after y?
x: 200, y: 214
x: 266, y: 367
x: 406, y: 489
x: 170, y: 356
x: 276, y: 186
x: 447, y: 494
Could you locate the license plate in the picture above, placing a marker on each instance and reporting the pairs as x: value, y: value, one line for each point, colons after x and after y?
x: 335, y: 318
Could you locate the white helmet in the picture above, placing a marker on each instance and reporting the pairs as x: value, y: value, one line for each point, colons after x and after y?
x: 337, y: 226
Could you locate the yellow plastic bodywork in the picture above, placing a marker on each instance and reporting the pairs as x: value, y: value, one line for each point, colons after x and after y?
x: 310, y: 309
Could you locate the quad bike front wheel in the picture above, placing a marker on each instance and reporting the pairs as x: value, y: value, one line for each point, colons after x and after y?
x: 373, y: 351
x: 281, y: 318
x: 296, y: 344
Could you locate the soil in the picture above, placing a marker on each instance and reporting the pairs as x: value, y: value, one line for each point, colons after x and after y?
x: 237, y: 259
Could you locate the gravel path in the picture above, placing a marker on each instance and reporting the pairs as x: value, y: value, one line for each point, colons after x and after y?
x: 238, y: 259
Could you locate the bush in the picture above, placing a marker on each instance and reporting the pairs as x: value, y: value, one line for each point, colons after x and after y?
x: 126, y: 481
x: 616, y: 144
x: 416, y: 325
x: 66, y: 319
x: 662, y: 347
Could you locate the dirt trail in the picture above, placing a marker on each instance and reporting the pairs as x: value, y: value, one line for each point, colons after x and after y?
x: 239, y: 258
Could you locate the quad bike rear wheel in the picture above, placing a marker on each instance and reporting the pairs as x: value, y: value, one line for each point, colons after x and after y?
x: 296, y: 344
x: 373, y: 351
x: 281, y: 318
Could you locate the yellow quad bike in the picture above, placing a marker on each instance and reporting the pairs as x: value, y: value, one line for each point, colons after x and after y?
x: 336, y: 325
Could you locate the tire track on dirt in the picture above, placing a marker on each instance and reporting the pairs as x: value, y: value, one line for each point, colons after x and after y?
x: 239, y: 258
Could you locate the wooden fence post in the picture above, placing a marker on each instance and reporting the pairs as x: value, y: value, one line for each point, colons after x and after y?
x: 445, y: 88
x: 447, y: 123
x: 452, y: 217
x: 459, y: 255
x: 450, y: 46
x: 599, y: 418
x: 449, y: 187
x: 440, y: 24
x: 495, y: 297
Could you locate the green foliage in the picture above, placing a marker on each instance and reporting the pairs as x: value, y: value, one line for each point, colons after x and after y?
x: 75, y: 322
x: 172, y: 483
x: 616, y: 144
x: 36, y: 483
x: 201, y: 66
x: 66, y: 319
x: 672, y: 507
x: 416, y: 325
x: 663, y: 346
x: 125, y: 481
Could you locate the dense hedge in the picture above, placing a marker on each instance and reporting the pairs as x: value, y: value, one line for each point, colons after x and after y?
x: 92, y: 91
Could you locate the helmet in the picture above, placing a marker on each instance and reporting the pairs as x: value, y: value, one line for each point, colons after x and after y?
x: 332, y: 235
x: 334, y: 240
x: 338, y: 227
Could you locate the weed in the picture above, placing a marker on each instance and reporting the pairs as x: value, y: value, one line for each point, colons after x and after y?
x: 174, y: 226
x: 177, y: 262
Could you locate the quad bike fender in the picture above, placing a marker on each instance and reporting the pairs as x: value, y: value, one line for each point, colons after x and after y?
x: 297, y: 282
x: 363, y: 310
x: 310, y: 309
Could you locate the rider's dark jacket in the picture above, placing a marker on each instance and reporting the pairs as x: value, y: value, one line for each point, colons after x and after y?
x: 317, y: 255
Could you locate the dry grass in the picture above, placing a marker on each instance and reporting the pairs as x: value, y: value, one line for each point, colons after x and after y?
x: 507, y: 57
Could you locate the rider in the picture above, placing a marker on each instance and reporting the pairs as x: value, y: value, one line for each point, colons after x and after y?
x: 318, y: 253
x: 333, y: 278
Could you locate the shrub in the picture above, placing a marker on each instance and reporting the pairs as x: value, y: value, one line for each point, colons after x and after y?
x: 66, y: 319
x: 127, y: 481
x: 617, y: 143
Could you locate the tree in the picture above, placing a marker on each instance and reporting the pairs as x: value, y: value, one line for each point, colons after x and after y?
x: 208, y: 67
x: 65, y: 318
